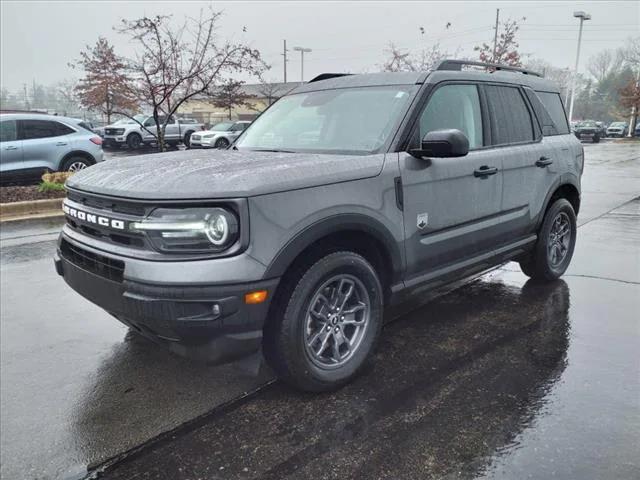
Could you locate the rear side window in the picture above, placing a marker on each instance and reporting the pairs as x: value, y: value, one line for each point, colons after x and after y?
x: 454, y: 106
x: 553, y: 104
x: 8, y: 131
x: 511, y: 121
x: 32, y: 129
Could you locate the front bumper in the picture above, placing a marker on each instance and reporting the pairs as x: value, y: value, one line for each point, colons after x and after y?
x: 114, y: 140
x: 210, y: 323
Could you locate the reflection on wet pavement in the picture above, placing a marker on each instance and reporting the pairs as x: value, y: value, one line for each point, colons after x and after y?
x: 455, y: 387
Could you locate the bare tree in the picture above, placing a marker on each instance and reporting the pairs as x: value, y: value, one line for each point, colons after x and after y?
x: 105, y: 86
x: 560, y: 76
x: 405, y: 61
x: 603, y: 63
x: 67, y: 96
x: 230, y: 95
x: 630, y: 53
x: 271, y: 91
x: 176, y: 63
x: 506, y: 49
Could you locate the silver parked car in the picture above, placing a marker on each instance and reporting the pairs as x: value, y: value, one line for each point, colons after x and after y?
x: 33, y: 143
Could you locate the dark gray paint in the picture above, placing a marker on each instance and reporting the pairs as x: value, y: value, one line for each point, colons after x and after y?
x: 200, y: 174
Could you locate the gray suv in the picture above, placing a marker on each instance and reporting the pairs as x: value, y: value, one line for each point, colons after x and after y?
x: 31, y: 144
x: 350, y: 194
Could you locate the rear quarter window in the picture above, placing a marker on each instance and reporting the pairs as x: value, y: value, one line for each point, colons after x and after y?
x: 8, y: 131
x: 553, y: 103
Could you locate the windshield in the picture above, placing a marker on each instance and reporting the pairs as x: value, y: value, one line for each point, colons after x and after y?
x: 587, y: 124
x: 222, y: 127
x: 349, y: 120
x: 617, y: 124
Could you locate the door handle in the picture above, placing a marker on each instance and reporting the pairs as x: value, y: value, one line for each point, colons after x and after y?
x: 543, y: 162
x: 11, y: 147
x: 61, y: 144
x: 484, y: 171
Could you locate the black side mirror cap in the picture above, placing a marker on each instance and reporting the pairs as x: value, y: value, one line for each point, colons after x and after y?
x: 442, y: 144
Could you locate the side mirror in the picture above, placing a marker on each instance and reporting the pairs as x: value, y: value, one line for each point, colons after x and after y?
x: 442, y: 144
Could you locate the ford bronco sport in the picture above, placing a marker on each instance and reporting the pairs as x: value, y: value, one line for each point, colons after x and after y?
x: 349, y: 194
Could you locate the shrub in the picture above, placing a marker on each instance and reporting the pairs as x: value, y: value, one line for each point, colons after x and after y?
x: 56, y: 177
x: 51, y: 187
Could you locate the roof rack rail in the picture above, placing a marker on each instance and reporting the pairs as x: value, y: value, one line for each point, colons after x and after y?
x: 327, y: 76
x: 457, y: 65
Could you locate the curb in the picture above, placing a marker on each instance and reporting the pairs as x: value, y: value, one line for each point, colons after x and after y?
x: 31, y: 209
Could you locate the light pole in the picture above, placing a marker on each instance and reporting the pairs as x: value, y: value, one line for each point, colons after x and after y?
x: 582, y: 16
x: 302, y: 52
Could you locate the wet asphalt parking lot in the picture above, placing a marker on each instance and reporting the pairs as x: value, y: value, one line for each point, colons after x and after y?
x: 499, y: 378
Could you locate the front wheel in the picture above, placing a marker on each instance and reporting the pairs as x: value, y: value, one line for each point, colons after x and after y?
x: 222, y: 143
x: 326, y: 324
x: 556, y: 242
x: 134, y: 141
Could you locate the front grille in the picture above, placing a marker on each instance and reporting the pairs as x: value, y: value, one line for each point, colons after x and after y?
x: 195, y: 137
x: 100, y: 265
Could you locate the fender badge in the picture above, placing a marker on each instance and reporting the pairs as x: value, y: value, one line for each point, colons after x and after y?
x: 423, y: 220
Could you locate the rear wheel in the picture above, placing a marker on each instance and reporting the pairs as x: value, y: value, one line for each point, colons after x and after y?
x: 326, y: 323
x: 75, y: 164
x: 556, y: 242
x: 187, y: 139
x: 222, y: 143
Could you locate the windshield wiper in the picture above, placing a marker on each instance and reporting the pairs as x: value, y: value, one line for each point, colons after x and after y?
x: 271, y: 150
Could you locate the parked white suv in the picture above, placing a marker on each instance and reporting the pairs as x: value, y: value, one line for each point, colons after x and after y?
x: 130, y: 132
x: 219, y: 136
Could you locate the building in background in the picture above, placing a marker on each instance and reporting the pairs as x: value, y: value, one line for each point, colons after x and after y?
x: 258, y: 97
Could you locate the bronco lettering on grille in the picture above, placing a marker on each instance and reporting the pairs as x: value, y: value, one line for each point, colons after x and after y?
x: 91, y: 218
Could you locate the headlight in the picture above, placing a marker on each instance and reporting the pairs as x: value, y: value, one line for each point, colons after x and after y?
x: 189, y: 230
x: 118, y: 131
x: 207, y: 137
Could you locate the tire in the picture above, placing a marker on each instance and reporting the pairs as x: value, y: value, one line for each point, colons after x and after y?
x: 222, y: 143
x: 309, y: 352
x: 548, y: 263
x: 75, y: 164
x: 134, y: 141
x: 187, y: 139
x: 596, y: 139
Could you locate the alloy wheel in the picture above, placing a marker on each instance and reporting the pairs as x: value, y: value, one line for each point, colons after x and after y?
x: 559, y: 240
x: 336, y: 321
x: 77, y: 166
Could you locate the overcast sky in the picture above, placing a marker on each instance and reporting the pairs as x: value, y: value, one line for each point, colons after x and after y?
x: 40, y: 38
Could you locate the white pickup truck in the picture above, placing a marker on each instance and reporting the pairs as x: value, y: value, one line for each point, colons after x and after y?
x: 131, y: 133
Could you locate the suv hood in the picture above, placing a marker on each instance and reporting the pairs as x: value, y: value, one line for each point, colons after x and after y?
x: 200, y: 174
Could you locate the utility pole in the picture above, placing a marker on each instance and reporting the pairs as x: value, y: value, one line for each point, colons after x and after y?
x: 302, y: 51
x: 582, y: 16
x: 284, y: 54
x: 26, y: 98
x: 495, y: 36
x: 634, y: 113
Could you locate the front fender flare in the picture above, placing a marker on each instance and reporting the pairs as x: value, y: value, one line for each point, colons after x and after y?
x: 328, y: 226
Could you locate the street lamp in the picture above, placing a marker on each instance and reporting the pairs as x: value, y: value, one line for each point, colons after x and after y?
x: 302, y: 52
x: 582, y: 16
